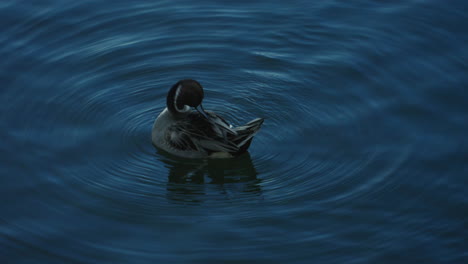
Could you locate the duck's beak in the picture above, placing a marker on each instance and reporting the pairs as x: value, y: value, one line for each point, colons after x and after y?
x: 202, y: 111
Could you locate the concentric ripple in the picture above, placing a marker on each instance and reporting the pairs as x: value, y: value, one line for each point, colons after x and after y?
x: 355, y: 121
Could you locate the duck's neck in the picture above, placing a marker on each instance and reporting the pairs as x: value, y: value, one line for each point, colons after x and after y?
x: 173, y: 102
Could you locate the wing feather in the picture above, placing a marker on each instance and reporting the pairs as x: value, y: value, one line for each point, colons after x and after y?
x: 197, y: 134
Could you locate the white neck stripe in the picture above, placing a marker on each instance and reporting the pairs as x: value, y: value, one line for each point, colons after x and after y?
x: 186, y: 107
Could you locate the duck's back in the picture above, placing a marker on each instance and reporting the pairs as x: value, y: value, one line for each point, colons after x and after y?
x: 195, y: 137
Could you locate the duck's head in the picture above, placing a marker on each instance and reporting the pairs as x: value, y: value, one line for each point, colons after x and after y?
x: 184, y: 95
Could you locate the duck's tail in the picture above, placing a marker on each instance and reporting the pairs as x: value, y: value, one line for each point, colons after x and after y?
x: 246, y: 133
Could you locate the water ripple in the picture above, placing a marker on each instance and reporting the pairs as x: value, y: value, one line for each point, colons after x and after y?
x: 353, y: 110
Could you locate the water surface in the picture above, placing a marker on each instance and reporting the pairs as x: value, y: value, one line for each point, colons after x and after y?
x: 362, y: 157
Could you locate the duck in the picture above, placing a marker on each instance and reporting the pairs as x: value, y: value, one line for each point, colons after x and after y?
x: 184, y: 129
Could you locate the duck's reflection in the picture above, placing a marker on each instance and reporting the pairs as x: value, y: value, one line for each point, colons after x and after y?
x: 195, y: 181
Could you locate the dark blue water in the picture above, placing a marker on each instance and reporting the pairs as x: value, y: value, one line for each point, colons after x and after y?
x: 363, y: 157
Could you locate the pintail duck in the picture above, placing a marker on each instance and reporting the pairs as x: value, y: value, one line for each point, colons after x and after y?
x: 187, y: 133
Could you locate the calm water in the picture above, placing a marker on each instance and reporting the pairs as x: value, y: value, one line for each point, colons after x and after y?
x: 363, y: 157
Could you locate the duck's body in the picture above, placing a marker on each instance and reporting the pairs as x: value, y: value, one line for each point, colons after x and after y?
x: 198, y: 134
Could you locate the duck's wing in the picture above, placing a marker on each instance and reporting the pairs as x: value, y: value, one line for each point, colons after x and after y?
x: 245, y: 134
x: 247, y: 131
x: 196, y: 133
x: 220, y: 126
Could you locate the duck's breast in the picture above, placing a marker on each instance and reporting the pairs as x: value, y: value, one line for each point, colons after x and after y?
x: 160, y: 126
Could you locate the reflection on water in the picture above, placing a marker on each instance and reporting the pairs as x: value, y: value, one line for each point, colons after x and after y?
x: 187, y: 178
